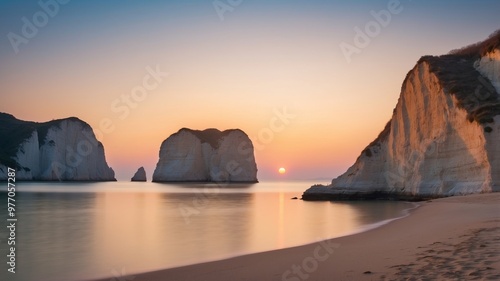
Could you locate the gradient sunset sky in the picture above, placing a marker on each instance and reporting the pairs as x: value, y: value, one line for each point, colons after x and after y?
x: 232, y: 68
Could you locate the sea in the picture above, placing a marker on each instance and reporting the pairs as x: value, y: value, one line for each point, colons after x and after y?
x: 83, y: 231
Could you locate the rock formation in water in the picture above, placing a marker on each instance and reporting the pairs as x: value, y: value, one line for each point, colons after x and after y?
x: 140, y: 175
x: 206, y: 156
x: 443, y: 138
x: 59, y: 150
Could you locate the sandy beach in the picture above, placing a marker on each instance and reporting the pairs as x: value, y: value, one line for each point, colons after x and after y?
x: 455, y: 238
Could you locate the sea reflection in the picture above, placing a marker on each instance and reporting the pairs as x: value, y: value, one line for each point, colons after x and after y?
x: 52, y: 234
x: 82, y: 235
x: 368, y: 212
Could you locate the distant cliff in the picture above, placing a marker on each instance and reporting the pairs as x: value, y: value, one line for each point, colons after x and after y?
x: 206, y: 156
x: 443, y: 138
x: 59, y: 150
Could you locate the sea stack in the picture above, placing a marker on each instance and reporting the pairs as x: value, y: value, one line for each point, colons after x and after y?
x: 443, y: 138
x: 140, y: 175
x: 206, y: 156
x: 59, y: 150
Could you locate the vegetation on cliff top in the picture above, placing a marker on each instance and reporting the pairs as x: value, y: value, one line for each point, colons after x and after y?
x: 480, y: 48
x: 458, y: 77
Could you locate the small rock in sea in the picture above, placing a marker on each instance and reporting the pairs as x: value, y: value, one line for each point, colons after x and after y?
x: 367, y: 272
x: 295, y: 198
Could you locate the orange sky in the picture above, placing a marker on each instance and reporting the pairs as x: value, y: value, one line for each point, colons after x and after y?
x: 233, y: 73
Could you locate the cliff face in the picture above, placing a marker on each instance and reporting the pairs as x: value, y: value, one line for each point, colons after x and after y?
x: 206, y: 156
x: 59, y: 150
x: 443, y: 138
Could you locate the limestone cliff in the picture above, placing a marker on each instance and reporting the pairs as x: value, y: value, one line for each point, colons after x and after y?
x: 140, y: 175
x: 443, y: 138
x: 59, y: 150
x: 206, y: 156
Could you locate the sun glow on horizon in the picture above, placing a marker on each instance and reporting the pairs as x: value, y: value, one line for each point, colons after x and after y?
x: 282, y: 170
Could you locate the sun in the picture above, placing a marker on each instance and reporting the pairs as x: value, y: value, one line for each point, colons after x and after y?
x: 281, y: 170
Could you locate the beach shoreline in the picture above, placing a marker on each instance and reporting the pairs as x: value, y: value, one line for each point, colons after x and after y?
x: 444, y: 239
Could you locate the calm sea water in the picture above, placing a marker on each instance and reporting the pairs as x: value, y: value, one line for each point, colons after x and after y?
x: 80, y: 231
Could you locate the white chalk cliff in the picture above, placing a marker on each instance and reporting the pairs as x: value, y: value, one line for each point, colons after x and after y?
x: 59, y: 150
x: 206, y: 156
x: 443, y: 138
x: 140, y: 175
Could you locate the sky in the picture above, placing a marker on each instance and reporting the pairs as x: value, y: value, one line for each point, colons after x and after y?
x: 138, y: 71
